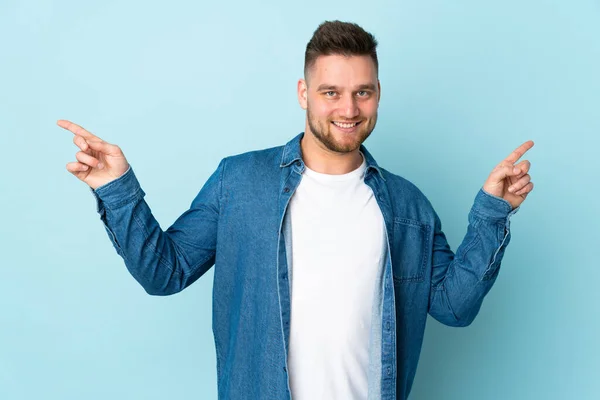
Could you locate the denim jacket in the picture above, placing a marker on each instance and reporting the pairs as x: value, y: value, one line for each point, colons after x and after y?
x: 236, y: 223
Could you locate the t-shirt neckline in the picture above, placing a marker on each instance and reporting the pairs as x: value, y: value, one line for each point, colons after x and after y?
x: 357, y: 173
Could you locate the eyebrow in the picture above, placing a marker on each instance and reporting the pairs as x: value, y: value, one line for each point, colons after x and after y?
x: 368, y: 86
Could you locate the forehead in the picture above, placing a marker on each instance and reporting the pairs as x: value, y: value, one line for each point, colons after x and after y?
x: 343, y: 70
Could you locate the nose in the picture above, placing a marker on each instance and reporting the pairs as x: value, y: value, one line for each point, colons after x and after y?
x: 348, y: 107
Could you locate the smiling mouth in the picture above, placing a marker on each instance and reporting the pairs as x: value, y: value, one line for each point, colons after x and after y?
x: 346, y: 125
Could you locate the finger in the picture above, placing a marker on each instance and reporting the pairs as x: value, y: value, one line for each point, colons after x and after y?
x: 523, y: 167
x: 501, y: 172
x: 88, y: 160
x: 519, y: 151
x: 75, y: 167
x: 515, y: 187
x: 81, y: 143
x: 104, y: 147
x: 525, y: 190
x: 76, y: 129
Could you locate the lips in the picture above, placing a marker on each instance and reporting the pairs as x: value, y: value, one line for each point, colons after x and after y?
x: 346, y: 126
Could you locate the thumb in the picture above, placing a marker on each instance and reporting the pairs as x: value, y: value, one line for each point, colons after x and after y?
x: 503, y: 171
x: 104, y: 147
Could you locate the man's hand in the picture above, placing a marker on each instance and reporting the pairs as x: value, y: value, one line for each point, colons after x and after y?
x: 98, y: 162
x: 511, y: 182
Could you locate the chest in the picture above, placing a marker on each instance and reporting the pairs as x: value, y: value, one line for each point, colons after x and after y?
x: 337, y: 228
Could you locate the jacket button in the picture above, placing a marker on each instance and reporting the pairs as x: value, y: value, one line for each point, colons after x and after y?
x: 286, y: 190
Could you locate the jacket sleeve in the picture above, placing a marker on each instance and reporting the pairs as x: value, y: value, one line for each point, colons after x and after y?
x: 460, y: 281
x: 163, y: 262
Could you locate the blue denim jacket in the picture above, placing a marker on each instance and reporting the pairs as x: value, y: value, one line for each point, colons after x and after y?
x: 236, y: 223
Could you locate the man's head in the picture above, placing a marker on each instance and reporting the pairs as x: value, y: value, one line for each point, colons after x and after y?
x: 340, y: 90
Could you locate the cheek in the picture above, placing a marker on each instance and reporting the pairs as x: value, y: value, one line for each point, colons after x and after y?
x: 321, y: 110
x: 369, y: 109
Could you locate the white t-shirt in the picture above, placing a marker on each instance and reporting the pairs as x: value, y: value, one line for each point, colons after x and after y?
x: 338, y: 254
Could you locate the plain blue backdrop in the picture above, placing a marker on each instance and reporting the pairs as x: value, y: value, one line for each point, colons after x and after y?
x: 181, y: 84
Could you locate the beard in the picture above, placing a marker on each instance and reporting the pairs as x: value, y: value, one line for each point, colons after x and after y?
x: 322, y: 131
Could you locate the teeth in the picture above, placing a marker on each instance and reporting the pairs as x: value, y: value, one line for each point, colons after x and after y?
x: 342, y: 125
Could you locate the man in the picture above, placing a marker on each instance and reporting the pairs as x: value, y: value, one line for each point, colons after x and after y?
x: 326, y: 265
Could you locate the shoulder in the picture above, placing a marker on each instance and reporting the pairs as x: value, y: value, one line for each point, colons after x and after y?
x: 405, y: 195
x: 270, y: 155
x: 397, y: 182
x: 252, y: 163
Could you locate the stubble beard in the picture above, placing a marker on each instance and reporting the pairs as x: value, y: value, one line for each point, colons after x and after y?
x: 324, y: 135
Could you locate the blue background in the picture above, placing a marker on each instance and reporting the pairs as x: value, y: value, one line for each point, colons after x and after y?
x: 181, y: 84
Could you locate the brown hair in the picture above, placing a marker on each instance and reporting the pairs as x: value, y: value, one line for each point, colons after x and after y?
x: 343, y: 38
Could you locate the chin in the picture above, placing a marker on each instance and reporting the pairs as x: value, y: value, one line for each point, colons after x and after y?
x: 343, y: 145
x: 340, y: 140
x: 349, y: 142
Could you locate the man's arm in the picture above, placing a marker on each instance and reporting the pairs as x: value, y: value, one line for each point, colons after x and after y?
x: 163, y: 262
x: 460, y: 282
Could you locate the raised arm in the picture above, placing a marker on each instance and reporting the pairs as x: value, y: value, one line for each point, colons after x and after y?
x: 460, y: 281
x: 163, y: 262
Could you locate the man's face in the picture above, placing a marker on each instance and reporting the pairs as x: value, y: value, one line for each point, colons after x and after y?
x: 341, y: 97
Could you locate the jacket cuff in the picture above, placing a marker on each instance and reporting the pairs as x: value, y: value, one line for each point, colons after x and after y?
x: 118, y: 192
x: 492, y: 207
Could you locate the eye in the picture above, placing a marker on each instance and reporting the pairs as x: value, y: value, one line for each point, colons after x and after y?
x: 330, y: 93
x: 362, y: 93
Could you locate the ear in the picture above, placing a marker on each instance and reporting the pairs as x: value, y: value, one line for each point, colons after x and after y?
x: 378, y: 91
x: 303, y: 94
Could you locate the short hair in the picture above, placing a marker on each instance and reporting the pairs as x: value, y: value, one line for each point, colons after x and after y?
x: 340, y: 38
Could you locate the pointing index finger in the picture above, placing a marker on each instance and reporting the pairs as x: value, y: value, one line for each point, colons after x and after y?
x: 519, y: 151
x: 76, y: 129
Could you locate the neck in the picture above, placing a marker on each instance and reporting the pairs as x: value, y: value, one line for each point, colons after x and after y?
x: 320, y: 159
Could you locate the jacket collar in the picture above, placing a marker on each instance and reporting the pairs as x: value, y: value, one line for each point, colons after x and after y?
x: 293, y: 153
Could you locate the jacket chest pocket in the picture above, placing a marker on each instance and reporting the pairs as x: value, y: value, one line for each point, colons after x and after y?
x: 409, y: 250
